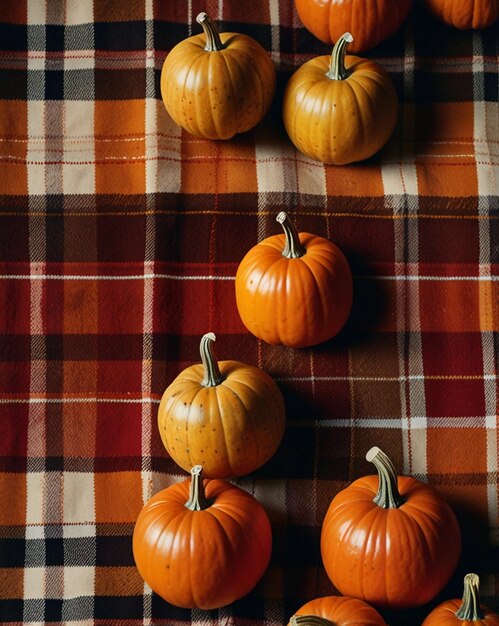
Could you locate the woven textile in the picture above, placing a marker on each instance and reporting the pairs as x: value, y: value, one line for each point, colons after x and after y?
x: 120, y: 238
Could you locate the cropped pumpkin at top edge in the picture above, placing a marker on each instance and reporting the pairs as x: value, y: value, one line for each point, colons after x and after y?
x: 465, y: 14
x: 227, y: 416
x: 202, y: 544
x: 217, y: 85
x: 336, y: 611
x: 390, y: 540
x: 339, y: 109
x: 294, y: 289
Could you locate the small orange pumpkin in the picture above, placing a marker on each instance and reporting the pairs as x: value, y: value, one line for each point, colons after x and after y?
x: 294, y: 289
x: 202, y: 545
x: 465, y: 612
x: 390, y: 541
x: 339, y: 109
x: 216, y: 85
x: 336, y: 611
x: 465, y: 14
x: 228, y: 417
x: 369, y: 22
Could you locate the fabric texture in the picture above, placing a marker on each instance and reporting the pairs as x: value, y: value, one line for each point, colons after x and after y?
x: 120, y: 236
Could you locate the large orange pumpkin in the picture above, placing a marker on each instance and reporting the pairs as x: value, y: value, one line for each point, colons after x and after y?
x: 465, y: 14
x: 465, y: 612
x: 337, y: 611
x: 294, y: 289
x: 390, y: 541
x: 202, y: 545
x: 339, y: 109
x: 369, y: 21
x: 216, y: 85
x: 226, y: 416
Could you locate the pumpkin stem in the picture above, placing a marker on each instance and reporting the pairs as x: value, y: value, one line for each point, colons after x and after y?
x: 213, y: 41
x: 212, y: 374
x: 293, y: 248
x: 388, y: 496
x: 197, y: 499
x: 470, y: 610
x: 309, y: 620
x: 337, y: 69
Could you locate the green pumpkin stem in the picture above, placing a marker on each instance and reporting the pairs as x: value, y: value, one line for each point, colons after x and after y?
x: 337, y: 69
x: 212, y: 374
x: 388, y: 496
x: 470, y: 610
x: 213, y: 41
x: 293, y: 248
x: 309, y: 620
x: 197, y: 499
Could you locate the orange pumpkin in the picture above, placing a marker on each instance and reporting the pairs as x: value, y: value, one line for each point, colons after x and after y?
x: 202, y: 545
x: 369, y: 22
x: 294, y: 289
x: 216, y: 85
x: 336, y: 611
x: 465, y: 14
x: 465, y: 612
x: 339, y: 109
x: 228, y: 417
x: 390, y: 541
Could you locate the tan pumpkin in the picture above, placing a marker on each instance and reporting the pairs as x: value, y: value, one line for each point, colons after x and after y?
x: 216, y: 85
x: 465, y: 14
x: 340, y: 109
x: 228, y: 416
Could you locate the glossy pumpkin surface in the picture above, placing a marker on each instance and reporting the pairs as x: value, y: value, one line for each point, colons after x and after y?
x: 227, y: 416
x: 369, y: 21
x: 294, y: 289
x: 390, y: 541
x: 465, y: 14
x: 336, y: 610
x: 215, y: 86
x: 339, y: 109
x: 202, y: 544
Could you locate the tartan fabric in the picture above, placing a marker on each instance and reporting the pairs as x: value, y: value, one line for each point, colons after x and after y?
x: 120, y: 237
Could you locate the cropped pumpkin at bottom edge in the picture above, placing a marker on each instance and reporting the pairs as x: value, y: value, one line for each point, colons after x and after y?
x: 339, y: 109
x: 465, y: 14
x: 227, y: 416
x: 202, y: 544
x: 336, y: 611
x: 217, y: 85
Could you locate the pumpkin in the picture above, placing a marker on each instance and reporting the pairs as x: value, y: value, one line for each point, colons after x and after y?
x: 369, y: 22
x: 294, y: 289
x: 391, y: 541
x: 336, y: 611
x: 465, y: 14
x: 202, y: 544
x: 339, y: 109
x: 216, y: 85
x: 467, y: 611
x: 228, y: 417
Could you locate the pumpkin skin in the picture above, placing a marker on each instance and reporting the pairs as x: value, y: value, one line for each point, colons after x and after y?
x: 294, y: 289
x: 465, y: 14
x: 228, y: 417
x: 369, y: 21
x: 202, y: 546
x: 337, y: 610
x: 339, y: 109
x: 396, y: 554
x: 465, y: 612
x: 215, y: 86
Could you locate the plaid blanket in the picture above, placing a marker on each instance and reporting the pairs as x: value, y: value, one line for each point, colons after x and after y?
x: 120, y: 236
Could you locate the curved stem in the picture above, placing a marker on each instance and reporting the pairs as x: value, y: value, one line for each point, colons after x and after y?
x: 309, y: 620
x: 388, y: 496
x: 197, y: 500
x: 337, y: 69
x: 293, y: 248
x: 213, y: 41
x: 470, y: 608
x: 212, y: 374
